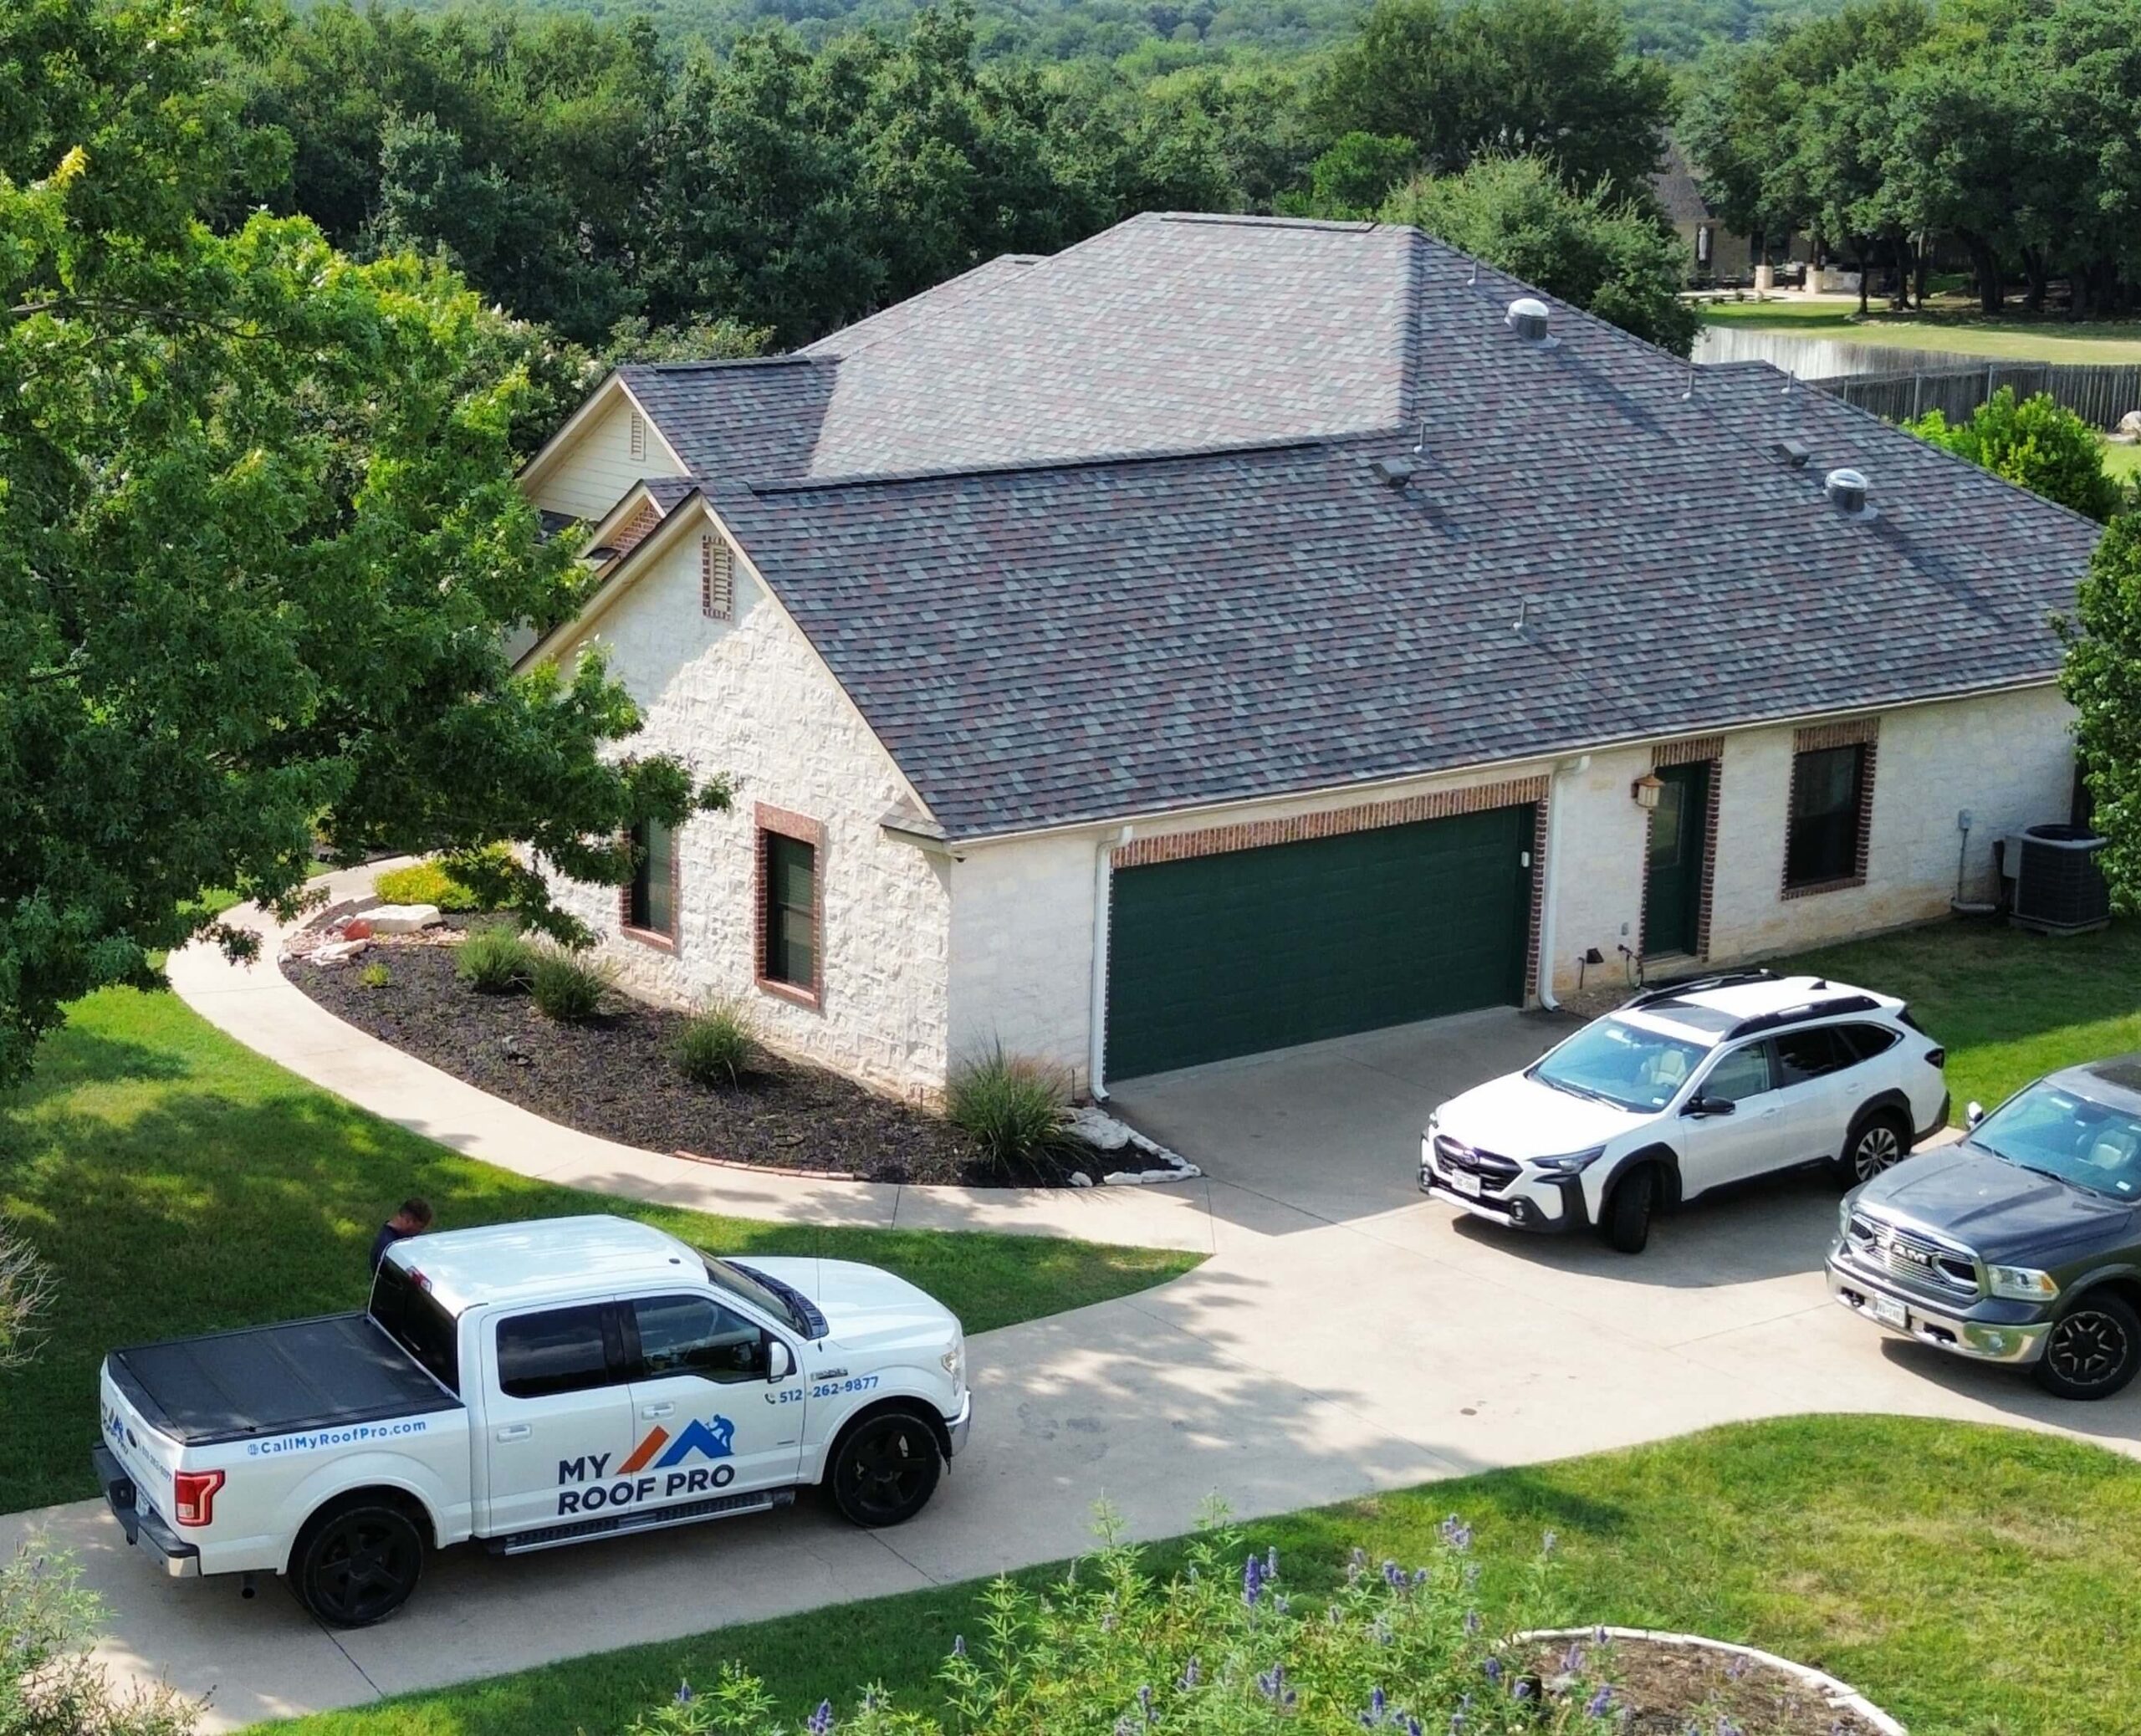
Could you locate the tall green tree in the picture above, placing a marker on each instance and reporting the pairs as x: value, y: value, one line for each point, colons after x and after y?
x: 1461, y: 79
x: 1612, y: 258
x: 260, y: 543
x: 2102, y: 681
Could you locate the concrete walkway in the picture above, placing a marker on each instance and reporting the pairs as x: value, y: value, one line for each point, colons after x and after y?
x: 1318, y: 1354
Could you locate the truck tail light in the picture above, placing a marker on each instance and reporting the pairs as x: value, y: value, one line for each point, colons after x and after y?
x: 193, y: 1497
x: 1936, y: 1057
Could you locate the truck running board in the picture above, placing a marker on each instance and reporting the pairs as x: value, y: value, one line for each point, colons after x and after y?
x: 658, y: 1518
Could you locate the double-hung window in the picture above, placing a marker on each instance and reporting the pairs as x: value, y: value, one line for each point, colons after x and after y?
x: 1826, y: 833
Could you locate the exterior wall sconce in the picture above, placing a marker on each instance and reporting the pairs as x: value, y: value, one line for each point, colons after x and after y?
x: 1647, y: 789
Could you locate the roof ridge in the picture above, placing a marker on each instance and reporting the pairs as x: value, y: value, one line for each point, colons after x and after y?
x: 1258, y: 219
x: 1083, y: 461
x: 794, y: 358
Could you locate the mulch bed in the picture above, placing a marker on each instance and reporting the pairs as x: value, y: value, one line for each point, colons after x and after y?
x: 1667, y: 1690
x: 614, y: 1077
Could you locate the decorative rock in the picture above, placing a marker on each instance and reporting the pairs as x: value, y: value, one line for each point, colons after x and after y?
x: 339, y: 951
x: 354, y: 928
x: 2130, y: 426
x: 1079, y: 1179
x: 402, y: 918
x: 1099, y: 1128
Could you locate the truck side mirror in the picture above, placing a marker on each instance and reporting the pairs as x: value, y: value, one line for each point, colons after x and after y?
x: 1702, y: 1108
x: 1973, y: 1114
x: 780, y: 1364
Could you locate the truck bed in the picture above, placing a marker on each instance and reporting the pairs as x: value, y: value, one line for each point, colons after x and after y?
x: 335, y: 1370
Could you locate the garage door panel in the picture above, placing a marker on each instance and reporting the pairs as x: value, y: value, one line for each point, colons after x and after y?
x: 1257, y: 949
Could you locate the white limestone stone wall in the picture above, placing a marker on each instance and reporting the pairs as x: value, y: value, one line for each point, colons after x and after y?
x: 2008, y: 758
x: 748, y: 697
x: 591, y: 477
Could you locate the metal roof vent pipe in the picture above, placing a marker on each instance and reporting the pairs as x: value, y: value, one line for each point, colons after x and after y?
x: 1847, y: 492
x: 1528, y: 318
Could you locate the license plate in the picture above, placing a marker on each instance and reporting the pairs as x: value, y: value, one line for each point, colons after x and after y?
x: 1467, y: 1184
x: 1889, y: 1312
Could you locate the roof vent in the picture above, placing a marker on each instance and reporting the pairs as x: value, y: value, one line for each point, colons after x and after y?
x: 1791, y: 451
x: 1846, y: 491
x: 1527, y: 317
x: 1396, y: 472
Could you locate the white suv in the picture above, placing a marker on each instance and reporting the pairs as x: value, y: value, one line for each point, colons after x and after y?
x: 1685, y: 1089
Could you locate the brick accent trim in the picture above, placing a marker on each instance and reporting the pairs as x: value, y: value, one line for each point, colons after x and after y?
x: 1370, y: 816
x: 1695, y: 748
x: 717, y: 578
x: 1687, y: 751
x: 663, y: 940
x: 635, y: 529
x: 771, y: 822
x: 1335, y: 822
x: 1853, y: 732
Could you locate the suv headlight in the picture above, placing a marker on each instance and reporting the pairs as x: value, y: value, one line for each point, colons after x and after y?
x: 954, y: 1362
x: 1575, y: 1163
x: 2022, y: 1284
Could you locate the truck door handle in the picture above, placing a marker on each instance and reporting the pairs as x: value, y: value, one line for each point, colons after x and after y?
x: 666, y: 1410
x: 515, y: 1431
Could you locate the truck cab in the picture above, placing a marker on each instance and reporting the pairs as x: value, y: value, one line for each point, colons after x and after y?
x: 529, y: 1386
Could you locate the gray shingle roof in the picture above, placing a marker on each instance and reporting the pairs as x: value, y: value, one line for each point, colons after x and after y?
x: 1043, y: 642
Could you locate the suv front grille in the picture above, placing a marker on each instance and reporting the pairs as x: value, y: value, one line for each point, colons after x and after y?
x: 1918, y: 1261
x: 1491, y: 1166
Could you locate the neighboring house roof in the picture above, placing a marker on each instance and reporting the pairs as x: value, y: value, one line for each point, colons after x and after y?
x: 1066, y: 637
x: 1677, y: 188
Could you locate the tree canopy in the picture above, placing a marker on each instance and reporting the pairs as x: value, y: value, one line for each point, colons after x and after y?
x: 2035, y: 441
x: 260, y: 543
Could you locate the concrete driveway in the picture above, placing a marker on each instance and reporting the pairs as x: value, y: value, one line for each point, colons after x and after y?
x: 1346, y: 1336
x: 1332, y: 1130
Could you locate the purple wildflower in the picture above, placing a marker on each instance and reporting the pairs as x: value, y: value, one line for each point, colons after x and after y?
x: 821, y: 1720
x: 1602, y: 1703
x: 1420, y: 1575
x: 1145, y: 1701
x: 1573, y: 1659
x: 1393, y: 1576
x: 1472, y: 1623
x: 1271, y: 1683
x: 1281, y: 1603
x: 684, y: 1694
x: 1494, y: 1668
x: 1190, y: 1676
x: 1373, y: 1716
x: 1456, y: 1533
x: 1252, y: 1581
x: 1520, y: 1689
x: 1271, y: 1562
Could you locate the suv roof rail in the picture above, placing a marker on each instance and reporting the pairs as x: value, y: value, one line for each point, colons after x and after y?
x: 1799, y: 1014
x: 1698, y: 985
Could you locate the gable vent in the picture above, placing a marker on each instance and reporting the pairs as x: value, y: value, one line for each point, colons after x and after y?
x: 636, y: 435
x: 1847, y: 492
x: 717, y: 579
x: 1528, y: 318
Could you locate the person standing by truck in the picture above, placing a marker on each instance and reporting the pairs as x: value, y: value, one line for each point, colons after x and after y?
x: 412, y: 1219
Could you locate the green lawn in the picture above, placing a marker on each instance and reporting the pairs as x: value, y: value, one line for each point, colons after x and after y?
x: 176, y: 1183
x: 1976, y: 1581
x: 2007, y: 1004
x: 2010, y: 337
x: 2123, y: 460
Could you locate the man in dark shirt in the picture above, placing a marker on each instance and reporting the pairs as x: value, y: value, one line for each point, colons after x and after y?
x: 414, y: 1217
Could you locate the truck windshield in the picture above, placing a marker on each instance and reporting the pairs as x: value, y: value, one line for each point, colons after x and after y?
x: 1622, y: 1064
x: 404, y: 1310
x: 2058, y: 1133
x: 768, y: 1294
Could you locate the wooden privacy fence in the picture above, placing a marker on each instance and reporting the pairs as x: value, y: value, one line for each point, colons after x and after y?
x: 2099, y: 394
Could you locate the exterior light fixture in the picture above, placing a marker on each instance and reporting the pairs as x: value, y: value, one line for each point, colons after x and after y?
x: 1647, y: 789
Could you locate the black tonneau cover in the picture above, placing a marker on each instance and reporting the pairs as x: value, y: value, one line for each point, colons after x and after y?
x: 305, y: 1374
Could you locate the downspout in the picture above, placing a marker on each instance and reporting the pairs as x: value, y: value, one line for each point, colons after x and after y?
x: 1581, y: 763
x: 1096, y: 1015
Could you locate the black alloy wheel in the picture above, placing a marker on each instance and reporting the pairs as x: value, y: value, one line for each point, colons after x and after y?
x: 887, y: 1470
x: 358, y: 1565
x: 2092, y: 1351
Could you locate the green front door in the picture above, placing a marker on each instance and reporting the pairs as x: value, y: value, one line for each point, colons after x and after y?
x: 1673, y: 892
x: 1257, y: 949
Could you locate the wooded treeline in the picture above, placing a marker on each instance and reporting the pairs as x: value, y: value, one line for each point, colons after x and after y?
x: 2004, y: 131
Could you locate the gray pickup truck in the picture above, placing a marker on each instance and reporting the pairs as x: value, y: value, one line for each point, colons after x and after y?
x: 2020, y: 1244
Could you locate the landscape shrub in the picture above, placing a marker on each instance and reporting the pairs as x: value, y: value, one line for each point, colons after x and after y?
x: 1016, y: 1108
x: 1222, y: 1647
x: 496, y: 960
x: 49, y: 1685
x: 566, y: 987
x: 715, y: 1044
x: 374, y: 975
x: 431, y: 881
x: 25, y: 1294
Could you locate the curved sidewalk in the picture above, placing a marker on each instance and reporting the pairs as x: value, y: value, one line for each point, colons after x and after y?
x: 259, y: 1006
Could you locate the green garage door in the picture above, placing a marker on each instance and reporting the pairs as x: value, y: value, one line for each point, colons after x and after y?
x: 1256, y: 949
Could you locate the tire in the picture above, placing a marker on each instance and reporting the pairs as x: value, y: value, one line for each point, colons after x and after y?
x: 357, y: 1564
x: 2093, y: 1349
x: 1626, y: 1225
x: 886, y: 1470
x: 1879, y: 1140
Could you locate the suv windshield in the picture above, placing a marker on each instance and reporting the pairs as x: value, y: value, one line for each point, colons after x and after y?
x: 1623, y: 1064
x: 2058, y: 1133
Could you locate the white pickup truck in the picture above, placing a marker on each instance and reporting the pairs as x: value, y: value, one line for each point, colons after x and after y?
x: 529, y: 1385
